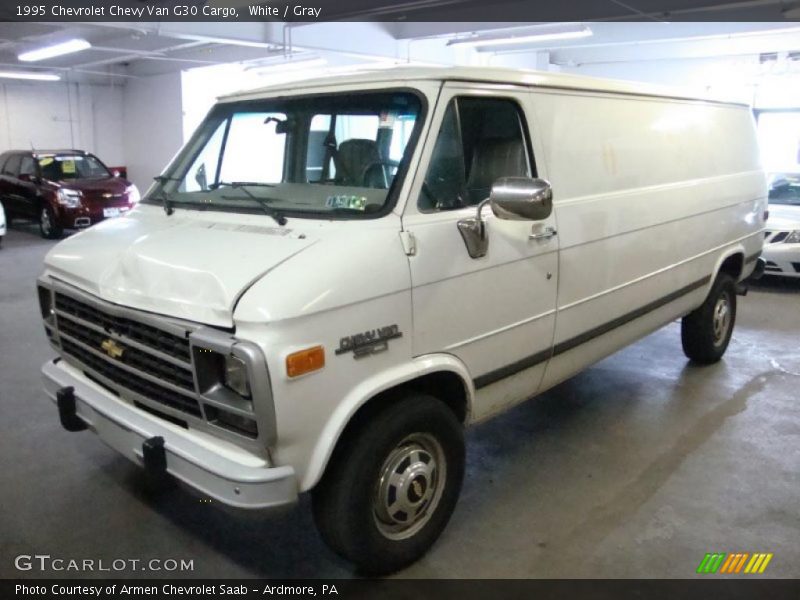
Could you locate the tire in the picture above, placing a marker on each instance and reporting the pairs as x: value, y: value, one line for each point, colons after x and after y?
x: 48, y: 226
x: 706, y: 332
x: 414, y: 446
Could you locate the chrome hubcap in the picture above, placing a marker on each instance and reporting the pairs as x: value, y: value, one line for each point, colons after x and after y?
x: 722, y: 319
x: 410, y: 486
x: 45, y: 221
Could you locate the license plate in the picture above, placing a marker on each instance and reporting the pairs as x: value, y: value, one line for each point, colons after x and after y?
x: 111, y: 212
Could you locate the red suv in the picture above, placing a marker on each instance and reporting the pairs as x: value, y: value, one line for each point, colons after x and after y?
x: 61, y: 189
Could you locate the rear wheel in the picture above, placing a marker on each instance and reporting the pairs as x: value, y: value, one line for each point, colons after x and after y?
x: 391, y: 487
x: 706, y: 332
x: 48, y: 226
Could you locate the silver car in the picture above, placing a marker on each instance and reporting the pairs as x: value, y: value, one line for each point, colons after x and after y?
x: 782, y: 236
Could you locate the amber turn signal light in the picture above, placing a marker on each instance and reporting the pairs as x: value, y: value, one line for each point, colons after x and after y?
x: 305, y: 361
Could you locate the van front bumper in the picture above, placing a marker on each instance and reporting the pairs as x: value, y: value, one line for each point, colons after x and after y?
x: 214, y: 468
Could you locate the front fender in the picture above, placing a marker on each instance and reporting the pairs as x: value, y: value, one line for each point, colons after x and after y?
x: 367, y: 390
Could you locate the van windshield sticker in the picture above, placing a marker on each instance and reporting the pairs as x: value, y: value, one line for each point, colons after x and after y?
x: 68, y: 166
x: 346, y: 201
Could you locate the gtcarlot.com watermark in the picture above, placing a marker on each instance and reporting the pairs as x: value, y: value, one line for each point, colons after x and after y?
x: 48, y: 563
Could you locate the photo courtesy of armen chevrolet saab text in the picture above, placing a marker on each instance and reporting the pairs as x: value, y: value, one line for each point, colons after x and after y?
x: 333, y: 279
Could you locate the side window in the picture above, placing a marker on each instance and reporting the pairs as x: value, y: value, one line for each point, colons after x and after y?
x: 27, y: 166
x: 480, y: 140
x: 12, y: 165
x: 445, y: 182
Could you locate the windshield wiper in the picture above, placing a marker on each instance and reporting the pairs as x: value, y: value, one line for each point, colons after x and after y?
x: 239, y: 184
x: 166, y: 198
x: 262, y: 202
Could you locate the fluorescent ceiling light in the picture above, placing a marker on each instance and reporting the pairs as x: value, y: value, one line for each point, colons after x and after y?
x: 506, y: 40
x: 288, y: 64
x: 68, y: 47
x: 29, y: 75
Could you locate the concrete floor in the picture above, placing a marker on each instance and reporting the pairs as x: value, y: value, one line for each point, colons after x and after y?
x: 635, y: 468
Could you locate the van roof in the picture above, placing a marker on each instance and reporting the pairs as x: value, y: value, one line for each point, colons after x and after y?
x: 524, y: 77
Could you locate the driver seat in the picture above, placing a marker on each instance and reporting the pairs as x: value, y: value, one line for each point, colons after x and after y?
x: 353, y: 161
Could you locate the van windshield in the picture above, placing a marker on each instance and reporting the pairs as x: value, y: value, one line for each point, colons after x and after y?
x: 320, y: 155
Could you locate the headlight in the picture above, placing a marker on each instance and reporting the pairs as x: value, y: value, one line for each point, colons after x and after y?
x: 133, y: 194
x: 793, y: 238
x: 236, y: 376
x: 69, y: 198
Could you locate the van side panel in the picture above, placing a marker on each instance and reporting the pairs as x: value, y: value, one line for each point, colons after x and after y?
x: 650, y: 194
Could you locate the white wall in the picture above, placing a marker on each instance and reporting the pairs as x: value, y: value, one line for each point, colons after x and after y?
x: 153, y: 129
x: 741, y: 78
x: 60, y: 115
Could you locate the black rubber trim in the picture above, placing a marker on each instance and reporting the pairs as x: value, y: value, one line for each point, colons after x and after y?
x: 586, y: 336
x: 65, y: 400
x: 512, y: 369
x: 154, y: 457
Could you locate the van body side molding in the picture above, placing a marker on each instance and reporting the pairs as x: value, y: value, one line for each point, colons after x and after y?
x: 587, y: 336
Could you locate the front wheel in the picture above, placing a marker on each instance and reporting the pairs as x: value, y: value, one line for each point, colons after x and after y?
x: 392, y: 485
x: 706, y: 332
x: 48, y: 226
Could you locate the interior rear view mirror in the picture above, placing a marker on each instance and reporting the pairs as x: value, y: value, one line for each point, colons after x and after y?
x: 521, y: 199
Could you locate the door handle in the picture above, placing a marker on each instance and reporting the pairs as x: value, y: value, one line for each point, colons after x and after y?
x: 546, y: 234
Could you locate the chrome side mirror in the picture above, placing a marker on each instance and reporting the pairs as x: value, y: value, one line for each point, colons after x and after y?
x: 473, y: 231
x: 521, y: 199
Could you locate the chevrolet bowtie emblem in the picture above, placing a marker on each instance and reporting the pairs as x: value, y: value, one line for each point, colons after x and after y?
x: 112, y: 348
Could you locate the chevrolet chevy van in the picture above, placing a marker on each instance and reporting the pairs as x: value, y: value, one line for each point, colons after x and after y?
x: 333, y: 279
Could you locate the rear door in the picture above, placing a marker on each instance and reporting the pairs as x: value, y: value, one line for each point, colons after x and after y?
x: 27, y: 186
x: 11, y: 192
x: 497, y: 312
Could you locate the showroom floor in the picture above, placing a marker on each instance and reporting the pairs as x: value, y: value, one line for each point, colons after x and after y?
x: 635, y: 468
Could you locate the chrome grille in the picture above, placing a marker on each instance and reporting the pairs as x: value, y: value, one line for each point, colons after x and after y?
x: 130, y: 381
x: 133, y: 330
x: 180, y: 376
x: 152, y: 363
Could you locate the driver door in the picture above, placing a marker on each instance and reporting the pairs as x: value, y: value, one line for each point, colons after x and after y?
x: 496, y: 312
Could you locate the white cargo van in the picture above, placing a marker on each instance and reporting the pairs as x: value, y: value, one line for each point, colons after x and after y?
x: 332, y: 280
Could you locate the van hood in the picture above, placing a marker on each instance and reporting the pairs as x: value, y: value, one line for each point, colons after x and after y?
x: 183, y: 267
